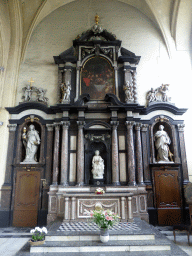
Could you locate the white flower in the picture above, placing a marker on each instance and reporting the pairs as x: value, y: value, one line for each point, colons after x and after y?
x: 44, y: 230
x: 38, y: 229
x: 32, y: 231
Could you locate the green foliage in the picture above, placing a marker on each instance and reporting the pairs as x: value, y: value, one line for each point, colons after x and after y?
x: 104, y: 219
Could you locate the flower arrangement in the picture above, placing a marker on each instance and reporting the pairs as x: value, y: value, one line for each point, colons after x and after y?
x: 38, y: 234
x: 104, y: 219
x: 99, y: 191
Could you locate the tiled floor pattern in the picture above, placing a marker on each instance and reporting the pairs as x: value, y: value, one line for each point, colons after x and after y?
x: 181, y: 238
x: 84, y: 226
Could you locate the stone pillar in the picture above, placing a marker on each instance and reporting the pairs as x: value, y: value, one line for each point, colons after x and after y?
x: 49, y: 153
x: 183, y: 153
x: 66, y: 215
x: 115, y: 154
x: 10, y: 153
x: 64, y: 154
x: 60, y: 79
x: 130, y: 209
x: 80, y: 154
x: 56, y: 155
x: 78, y: 68
x: 144, y: 129
x: 134, y: 76
x: 73, y: 208
x: 123, y: 208
x: 130, y: 154
x: 139, y: 157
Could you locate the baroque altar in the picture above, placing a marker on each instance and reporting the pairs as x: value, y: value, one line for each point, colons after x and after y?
x: 97, y: 111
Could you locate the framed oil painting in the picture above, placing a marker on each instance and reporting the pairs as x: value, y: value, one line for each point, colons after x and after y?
x: 97, y: 78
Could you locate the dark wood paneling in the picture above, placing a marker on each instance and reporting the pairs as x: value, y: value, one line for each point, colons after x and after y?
x: 168, y: 199
x: 27, y: 188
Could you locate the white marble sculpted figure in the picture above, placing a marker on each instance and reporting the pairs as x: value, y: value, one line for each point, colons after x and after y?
x: 66, y: 90
x: 97, y: 166
x: 31, y: 141
x: 162, y: 142
x: 129, y: 94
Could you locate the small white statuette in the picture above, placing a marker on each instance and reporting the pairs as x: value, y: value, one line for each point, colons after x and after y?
x: 97, y: 166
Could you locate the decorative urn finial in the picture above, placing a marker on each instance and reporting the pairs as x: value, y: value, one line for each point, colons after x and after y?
x: 96, y: 19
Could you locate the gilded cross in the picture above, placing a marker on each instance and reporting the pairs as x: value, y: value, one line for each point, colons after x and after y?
x: 31, y: 81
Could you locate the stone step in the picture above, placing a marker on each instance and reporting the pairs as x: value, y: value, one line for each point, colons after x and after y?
x: 97, y: 238
x: 97, y: 246
x: 147, y: 253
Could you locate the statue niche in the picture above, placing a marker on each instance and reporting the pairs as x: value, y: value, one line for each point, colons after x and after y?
x: 162, y: 142
x: 31, y: 143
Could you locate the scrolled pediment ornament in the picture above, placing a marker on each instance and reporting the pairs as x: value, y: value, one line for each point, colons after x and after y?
x: 97, y: 138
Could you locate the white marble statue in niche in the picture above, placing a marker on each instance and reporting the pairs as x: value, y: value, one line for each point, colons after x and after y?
x: 97, y: 166
x: 31, y: 141
x: 162, y: 142
x: 66, y: 91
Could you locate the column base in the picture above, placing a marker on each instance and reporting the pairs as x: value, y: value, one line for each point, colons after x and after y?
x: 80, y: 184
x: 117, y: 183
x: 65, y: 184
x: 132, y: 183
x: 141, y: 184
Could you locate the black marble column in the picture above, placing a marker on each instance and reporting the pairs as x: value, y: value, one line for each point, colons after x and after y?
x: 64, y: 153
x: 56, y: 155
x: 146, y: 170
x: 183, y: 153
x: 49, y: 153
x: 115, y: 154
x: 130, y: 154
x: 80, y: 154
x: 139, y: 157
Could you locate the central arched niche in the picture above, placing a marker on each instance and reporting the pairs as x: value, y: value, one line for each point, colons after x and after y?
x: 97, y: 78
x: 97, y: 137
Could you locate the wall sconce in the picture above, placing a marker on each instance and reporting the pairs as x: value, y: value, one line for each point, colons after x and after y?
x: 1, y: 123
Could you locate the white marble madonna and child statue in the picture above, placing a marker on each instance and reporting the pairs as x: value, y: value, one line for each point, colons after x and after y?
x: 31, y: 141
x: 162, y: 142
x: 97, y: 166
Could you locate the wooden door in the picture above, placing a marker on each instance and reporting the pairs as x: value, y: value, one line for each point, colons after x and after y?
x: 26, y: 201
x: 168, y: 199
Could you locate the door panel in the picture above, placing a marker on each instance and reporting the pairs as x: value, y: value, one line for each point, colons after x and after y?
x: 26, y: 198
x: 168, y: 199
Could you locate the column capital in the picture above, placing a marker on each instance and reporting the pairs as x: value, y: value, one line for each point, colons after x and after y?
x: 127, y: 70
x: 181, y: 127
x: 138, y: 126
x: 57, y: 126
x: 144, y: 127
x: 12, y: 127
x: 80, y: 124
x: 50, y: 127
x: 68, y: 69
x: 65, y: 124
x: 114, y: 124
x: 129, y: 124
